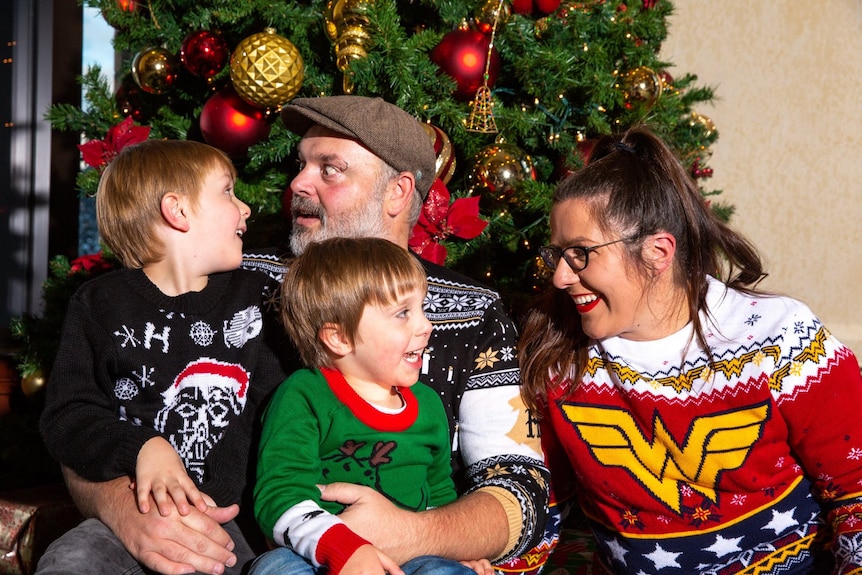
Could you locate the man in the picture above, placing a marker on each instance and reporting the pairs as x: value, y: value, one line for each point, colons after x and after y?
x: 365, y: 168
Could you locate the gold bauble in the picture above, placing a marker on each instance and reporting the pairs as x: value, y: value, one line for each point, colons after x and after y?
x: 498, y: 170
x: 32, y: 383
x: 266, y: 69
x: 491, y: 13
x: 705, y: 123
x: 641, y: 86
x: 154, y: 70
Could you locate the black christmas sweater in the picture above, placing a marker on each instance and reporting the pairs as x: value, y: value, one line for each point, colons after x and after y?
x: 134, y: 363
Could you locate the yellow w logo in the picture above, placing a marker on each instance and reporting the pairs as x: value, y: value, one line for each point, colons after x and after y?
x: 714, y: 443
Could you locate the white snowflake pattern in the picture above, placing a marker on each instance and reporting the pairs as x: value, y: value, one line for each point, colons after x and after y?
x: 507, y: 353
x: 244, y: 326
x: 144, y: 377
x: 433, y: 302
x: 780, y: 462
x: 519, y: 470
x: 128, y: 336
x: 738, y: 499
x: 125, y: 389
x: 687, y: 491
x: 855, y: 454
x: 202, y: 334
x: 460, y: 302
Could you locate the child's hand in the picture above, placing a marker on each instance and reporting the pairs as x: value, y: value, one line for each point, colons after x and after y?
x: 480, y: 566
x: 160, y: 471
x: 368, y: 560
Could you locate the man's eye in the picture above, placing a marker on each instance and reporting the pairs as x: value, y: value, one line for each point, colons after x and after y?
x: 329, y: 170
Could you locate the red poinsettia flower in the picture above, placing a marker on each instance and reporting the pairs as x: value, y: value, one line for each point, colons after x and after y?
x: 91, y: 263
x: 99, y: 153
x: 440, y: 219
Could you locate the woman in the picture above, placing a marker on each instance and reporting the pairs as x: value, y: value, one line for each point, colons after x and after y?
x: 705, y: 427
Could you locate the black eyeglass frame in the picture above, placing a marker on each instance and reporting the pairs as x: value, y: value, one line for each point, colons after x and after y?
x: 552, y: 255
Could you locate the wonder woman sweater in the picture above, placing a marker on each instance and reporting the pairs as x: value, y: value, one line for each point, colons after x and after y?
x: 742, y: 462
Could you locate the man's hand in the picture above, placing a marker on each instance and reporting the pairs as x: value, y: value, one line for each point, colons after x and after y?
x: 473, y: 526
x: 172, y: 545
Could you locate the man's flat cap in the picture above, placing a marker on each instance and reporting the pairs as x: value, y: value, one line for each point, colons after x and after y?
x: 389, y: 132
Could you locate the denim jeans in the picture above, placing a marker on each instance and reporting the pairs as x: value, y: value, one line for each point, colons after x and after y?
x: 93, y: 549
x: 284, y: 561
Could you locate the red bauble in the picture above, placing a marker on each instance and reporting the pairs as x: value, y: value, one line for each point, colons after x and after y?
x: 231, y: 124
x: 547, y: 6
x: 127, y: 5
x: 462, y: 54
x: 524, y: 7
x: 204, y: 53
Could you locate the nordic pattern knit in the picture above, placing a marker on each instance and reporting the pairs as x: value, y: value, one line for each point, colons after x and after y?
x: 471, y: 362
x: 317, y: 430
x: 134, y: 364
x: 739, y: 467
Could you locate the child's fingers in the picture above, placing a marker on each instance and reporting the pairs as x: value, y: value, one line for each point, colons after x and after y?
x: 142, y: 494
x: 164, y: 502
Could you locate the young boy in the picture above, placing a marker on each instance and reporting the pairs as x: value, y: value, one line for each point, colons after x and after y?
x: 162, y: 365
x: 354, y: 309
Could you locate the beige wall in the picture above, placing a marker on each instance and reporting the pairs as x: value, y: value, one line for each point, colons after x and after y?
x: 788, y: 80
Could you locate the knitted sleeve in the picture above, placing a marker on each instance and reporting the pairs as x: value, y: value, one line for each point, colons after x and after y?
x: 80, y: 424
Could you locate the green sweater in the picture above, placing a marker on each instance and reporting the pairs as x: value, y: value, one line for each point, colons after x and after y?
x: 317, y: 430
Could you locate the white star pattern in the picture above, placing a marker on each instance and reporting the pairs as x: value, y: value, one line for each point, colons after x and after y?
x: 781, y: 521
x: 617, y: 550
x: 662, y: 558
x: 723, y: 546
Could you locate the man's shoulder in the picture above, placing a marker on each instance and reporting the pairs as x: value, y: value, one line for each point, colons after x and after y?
x: 445, y: 279
x: 267, y: 260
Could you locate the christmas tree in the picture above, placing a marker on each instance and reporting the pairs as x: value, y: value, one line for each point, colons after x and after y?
x: 514, y: 94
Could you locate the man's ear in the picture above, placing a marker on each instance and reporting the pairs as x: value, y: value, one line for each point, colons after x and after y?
x: 400, y: 192
x: 660, y: 250
x: 334, y: 338
x: 175, y: 211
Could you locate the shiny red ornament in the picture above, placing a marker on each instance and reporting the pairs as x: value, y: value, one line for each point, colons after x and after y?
x: 523, y: 7
x: 547, y: 6
x: 231, y: 124
x: 204, y: 53
x: 649, y: 4
x: 440, y: 219
x: 127, y: 5
x: 462, y: 54
x: 99, y: 153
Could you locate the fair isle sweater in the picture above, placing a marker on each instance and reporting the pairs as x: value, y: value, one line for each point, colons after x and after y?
x: 738, y: 467
x: 134, y: 363
x: 318, y: 430
x: 471, y: 362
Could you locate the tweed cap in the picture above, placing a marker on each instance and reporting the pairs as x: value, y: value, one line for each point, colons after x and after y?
x: 389, y: 132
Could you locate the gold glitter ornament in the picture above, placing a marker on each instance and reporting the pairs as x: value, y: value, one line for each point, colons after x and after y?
x: 33, y: 383
x: 498, y: 171
x: 266, y: 69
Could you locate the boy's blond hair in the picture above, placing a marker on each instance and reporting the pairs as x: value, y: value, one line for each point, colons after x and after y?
x: 332, y: 282
x: 132, y: 186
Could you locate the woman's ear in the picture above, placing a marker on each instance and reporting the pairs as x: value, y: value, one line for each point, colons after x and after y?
x: 334, y: 338
x: 660, y: 250
x: 174, y: 211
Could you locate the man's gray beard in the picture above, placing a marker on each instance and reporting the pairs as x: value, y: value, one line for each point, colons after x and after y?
x: 366, y: 222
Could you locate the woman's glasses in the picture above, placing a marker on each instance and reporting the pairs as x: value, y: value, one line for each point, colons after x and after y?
x: 576, y: 256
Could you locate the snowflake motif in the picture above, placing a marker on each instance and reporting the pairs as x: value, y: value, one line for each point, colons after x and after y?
x: 853, y: 520
x: 758, y: 358
x: 125, y: 389
x: 244, y: 326
x: 738, y: 499
x: 824, y: 477
x: 128, y: 336
x: 460, y: 302
x: 752, y: 319
x: 507, y: 353
x: 780, y: 462
x: 663, y: 519
x: 798, y: 327
x: 434, y: 302
x: 855, y: 454
x: 496, y: 471
x: 654, y: 384
x: 202, y: 334
x: 701, y: 513
x: 629, y: 518
x: 797, y: 468
x: 706, y: 374
x: 487, y: 359
x: 518, y: 469
x: 144, y: 377
x: 537, y: 477
x: 796, y: 368
x: 687, y: 491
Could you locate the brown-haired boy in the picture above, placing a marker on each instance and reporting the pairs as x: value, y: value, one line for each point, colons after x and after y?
x: 162, y: 365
